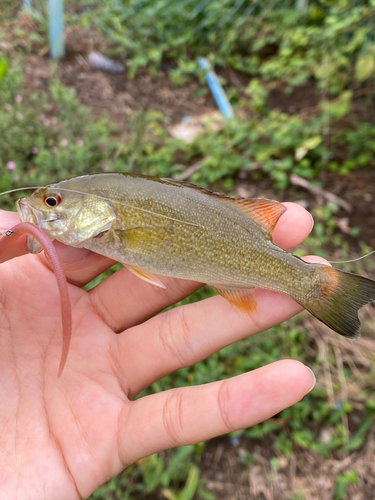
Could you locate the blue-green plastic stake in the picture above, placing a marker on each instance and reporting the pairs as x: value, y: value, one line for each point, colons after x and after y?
x: 56, y: 28
x: 301, y: 4
x: 217, y: 90
x: 27, y: 5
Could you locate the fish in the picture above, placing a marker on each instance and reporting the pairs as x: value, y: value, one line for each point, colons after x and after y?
x: 165, y: 227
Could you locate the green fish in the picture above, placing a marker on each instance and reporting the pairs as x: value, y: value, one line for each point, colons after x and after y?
x: 169, y: 228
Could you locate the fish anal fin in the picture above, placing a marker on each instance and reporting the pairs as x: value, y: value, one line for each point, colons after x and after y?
x: 145, y: 276
x: 243, y: 299
x: 265, y: 212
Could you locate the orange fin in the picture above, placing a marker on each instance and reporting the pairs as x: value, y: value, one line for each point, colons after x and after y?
x: 145, y: 276
x: 336, y: 298
x: 265, y: 212
x: 242, y: 299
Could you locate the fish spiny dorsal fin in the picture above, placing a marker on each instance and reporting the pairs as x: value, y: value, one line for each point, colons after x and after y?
x: 197, y: 188
x: 265, y: 212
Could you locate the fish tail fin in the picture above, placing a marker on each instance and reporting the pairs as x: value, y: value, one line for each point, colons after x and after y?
x: 336, y: 298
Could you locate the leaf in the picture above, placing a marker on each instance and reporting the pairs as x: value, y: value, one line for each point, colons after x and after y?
x: 337, y: 108
x: 312, y: 142
x: 307, y: 145
x: 191, y: 484
x: 3, y: 67
x: 365, y: 67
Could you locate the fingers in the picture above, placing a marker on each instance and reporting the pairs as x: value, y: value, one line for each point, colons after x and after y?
x: 315, y: 259
x: 192, y: 414
x: 123, y: 300
x: 80, y: 265
x: 187, y: 334
x: 7, y: 221
x: 293, y: 227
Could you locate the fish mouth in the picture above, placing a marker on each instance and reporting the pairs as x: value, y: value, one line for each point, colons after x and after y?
x: 28, y: 214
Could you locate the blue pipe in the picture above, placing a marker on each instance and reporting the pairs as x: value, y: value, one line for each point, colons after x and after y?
x: 56, y: 28
x: 217, y: 90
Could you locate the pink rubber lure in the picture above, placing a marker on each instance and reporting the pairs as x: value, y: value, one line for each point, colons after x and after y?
x: 6, y: 242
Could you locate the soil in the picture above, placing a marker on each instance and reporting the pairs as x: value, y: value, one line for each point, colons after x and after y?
x: 120, y: 95
x: 304, y: 472
x: 358, y: 188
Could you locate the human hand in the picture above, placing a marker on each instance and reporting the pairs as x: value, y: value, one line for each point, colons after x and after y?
x: 62, y: 437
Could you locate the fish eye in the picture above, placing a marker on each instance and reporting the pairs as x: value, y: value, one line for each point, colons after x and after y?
x: 52, y: 201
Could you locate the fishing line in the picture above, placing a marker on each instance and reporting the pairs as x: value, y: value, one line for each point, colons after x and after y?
x: 353, y: 260
x: 19, y: 189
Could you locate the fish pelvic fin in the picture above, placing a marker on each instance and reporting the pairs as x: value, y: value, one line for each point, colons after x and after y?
x: 242, y: 299
x: 145, y: 276
x: 337, y: 297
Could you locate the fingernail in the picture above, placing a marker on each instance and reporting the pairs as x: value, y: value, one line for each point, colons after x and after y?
x: 312, y: 221
x: 313, y: 379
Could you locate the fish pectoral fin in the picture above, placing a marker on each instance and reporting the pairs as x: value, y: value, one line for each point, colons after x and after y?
x: 145, y: 276
x: 265, y: 212
x: 243, y: 299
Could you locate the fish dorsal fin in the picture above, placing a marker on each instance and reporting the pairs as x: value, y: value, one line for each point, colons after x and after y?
x: 197, y: 188
x: 265, y: 212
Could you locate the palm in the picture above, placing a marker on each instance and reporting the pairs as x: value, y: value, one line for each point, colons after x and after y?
x: 62, y: 438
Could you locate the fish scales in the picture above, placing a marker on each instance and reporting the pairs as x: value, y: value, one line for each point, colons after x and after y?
x: 169, y: 228
x: 193, y: 232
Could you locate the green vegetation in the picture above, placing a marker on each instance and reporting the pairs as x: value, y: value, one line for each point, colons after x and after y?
x: 329, y: 49
x: 44, y: 136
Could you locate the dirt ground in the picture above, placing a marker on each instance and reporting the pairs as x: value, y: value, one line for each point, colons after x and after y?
x: 306, y: 474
